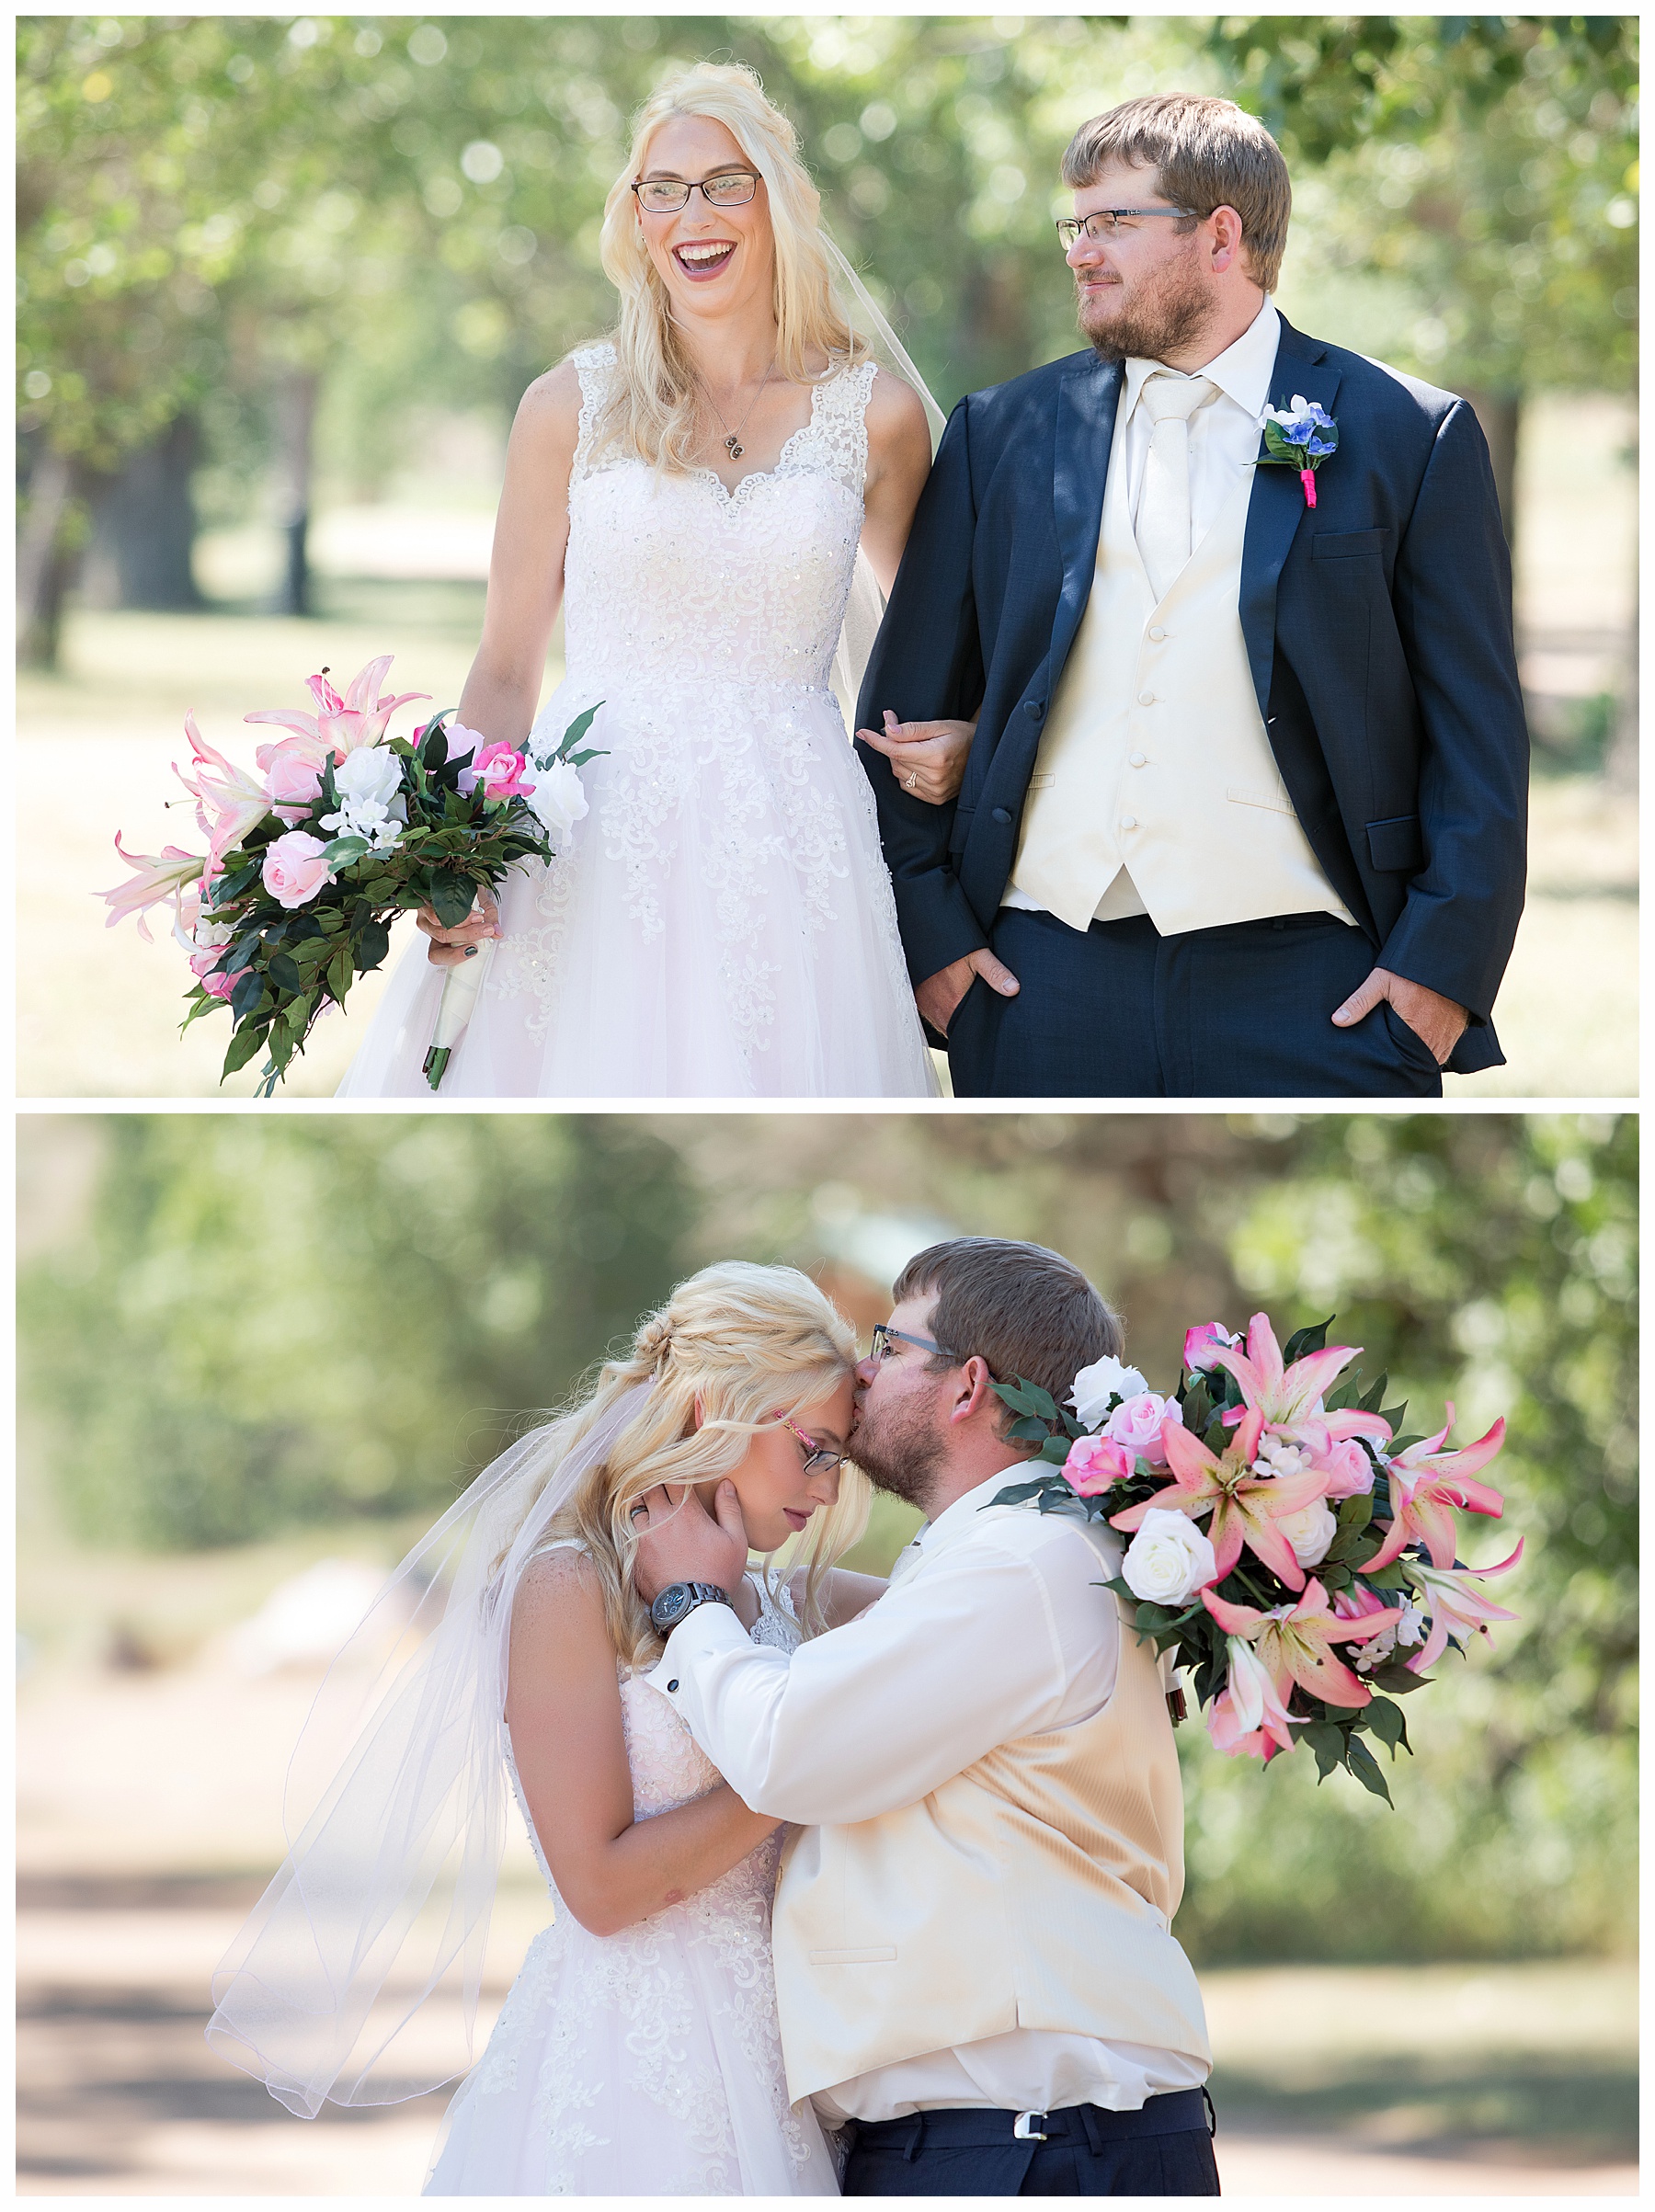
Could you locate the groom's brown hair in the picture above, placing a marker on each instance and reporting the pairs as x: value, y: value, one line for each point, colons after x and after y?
x: 1023, y: 1309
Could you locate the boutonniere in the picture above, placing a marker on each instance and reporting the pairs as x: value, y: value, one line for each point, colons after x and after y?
x: 1300, y: 436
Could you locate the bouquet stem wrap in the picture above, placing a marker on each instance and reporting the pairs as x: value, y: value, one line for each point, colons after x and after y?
x: 460, y: 990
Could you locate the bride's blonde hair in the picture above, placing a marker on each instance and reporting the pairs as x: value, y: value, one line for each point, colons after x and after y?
x: 748, y: 1341
x: 651, y: 413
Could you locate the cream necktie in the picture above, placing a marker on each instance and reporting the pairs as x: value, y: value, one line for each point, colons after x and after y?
x: 1162, y: 528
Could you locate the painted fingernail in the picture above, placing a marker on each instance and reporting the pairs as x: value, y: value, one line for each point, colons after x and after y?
x: 471, y: 951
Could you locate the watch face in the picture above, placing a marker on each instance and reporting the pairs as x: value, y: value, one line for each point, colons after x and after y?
x: 671, y: 1604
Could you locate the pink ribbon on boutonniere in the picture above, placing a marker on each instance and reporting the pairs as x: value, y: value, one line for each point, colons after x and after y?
x: 1300, y: 436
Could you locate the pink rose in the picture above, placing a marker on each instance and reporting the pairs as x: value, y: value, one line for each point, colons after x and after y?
x: 1348, y: 1468
x: 1136, y: 1424
x: 1095, y: 1463
x: 1202, y: 1344
x: 294, y: 870
x: 292, y: 777
x: 220, y: 987
x: 499, y: 770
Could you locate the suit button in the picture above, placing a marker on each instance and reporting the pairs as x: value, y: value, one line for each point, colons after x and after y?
x: 672, y: 1685
x: 1146, y: 699
x: 1136, y: 759
x: 1000, y: 815
x: 1157, y: 634
x: 1034, y: 709
x: 1129, y: 821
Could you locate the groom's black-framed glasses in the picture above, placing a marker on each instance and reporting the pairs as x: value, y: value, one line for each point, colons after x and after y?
x: 1105, y: 222
x: 885, y: 1337
x: 666, y: 195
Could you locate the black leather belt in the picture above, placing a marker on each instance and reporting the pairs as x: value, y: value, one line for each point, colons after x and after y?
x: 969, y: 2127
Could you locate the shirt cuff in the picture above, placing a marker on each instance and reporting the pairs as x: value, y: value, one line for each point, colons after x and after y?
x: 709, y: 1629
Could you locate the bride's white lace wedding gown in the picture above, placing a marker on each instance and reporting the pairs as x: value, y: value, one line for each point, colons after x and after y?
x: 648, y: 2063
x: 721, y: 923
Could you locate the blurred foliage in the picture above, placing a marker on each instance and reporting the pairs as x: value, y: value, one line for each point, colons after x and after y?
x: 410, y: 206
x: 285, y: 1320
x: 262, y: 1322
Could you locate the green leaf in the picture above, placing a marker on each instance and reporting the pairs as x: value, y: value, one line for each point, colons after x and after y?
x: 1394, y: 1417
x: 283, y: 973
x: 1056, y: 1449
x: 576, y: 732
x: 343, y: 852
x: 453, y: 895
x: 1020, y: 1492
x: 1357, y: 1511
x: 246, y: 994
x: 373, y: 942
x: 1197, y: 1408
x: 1366, y: 1769
x: 1314, y: 1338
x: 1386, y: 1578
x: 1329, y: 1744
x: 1029, y: 1430
x: 1396, y: 1678
x: 1388, y: 1723
x: 1372, y: 1399
x: 338, y: 974
x: 242, y: 1047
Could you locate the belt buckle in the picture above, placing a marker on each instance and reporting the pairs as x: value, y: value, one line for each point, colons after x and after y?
x: 1023, y: 2132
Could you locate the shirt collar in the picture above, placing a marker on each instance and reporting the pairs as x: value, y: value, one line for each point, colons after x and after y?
x: 956, y: 1518
x: 1242, y: 371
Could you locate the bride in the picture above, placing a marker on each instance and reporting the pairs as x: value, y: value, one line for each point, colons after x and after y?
x: 637, y: 2053
x: 695, y: 490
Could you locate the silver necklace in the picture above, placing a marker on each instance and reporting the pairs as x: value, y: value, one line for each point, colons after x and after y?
x: 733, y: 445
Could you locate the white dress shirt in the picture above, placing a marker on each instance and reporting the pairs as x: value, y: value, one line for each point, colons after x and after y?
x: 1224, y: 450
x: 1006, y: 1633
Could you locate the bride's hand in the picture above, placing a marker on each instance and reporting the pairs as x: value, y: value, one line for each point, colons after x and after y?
x: 678, y: 1541
x: 928, y: 759
x: 448, y: 948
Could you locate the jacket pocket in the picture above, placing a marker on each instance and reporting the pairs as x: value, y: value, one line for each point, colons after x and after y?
x: 870, y: 1955
x: 1347, y: 544
x: 1394, y: 846
x: 1257, y: 794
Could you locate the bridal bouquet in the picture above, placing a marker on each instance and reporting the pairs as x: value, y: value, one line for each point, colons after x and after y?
x: 308, y: 861
x: 1287, y: 1547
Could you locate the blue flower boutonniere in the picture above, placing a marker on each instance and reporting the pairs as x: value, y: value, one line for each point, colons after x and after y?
x: 1300, y: 436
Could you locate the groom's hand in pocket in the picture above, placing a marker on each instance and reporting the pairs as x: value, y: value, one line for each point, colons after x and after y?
x: 1435, y: 1021
x: 938, y: 997
x: 679, y: 1541
x: 448, y: 948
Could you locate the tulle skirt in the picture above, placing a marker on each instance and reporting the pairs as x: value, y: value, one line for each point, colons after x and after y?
x: 642, y: 2064
x: 720, y: 924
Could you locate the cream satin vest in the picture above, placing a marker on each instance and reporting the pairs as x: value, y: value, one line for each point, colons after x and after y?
x: 1155, y: 758
x: 1034, y: 1890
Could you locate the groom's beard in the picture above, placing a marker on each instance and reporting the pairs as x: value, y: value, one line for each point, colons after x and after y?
x: 900, y: 1453
x: 1157, y: 324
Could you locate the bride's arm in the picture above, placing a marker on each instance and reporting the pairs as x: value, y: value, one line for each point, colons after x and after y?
x: 563, y: 1707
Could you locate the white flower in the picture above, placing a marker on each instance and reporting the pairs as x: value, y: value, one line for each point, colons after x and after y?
x: 1248, y: 1683
x: 1309, y: 1531
x: 1411, y: 1628
x: 1376, y: 1651
x: 1097, y: 1385
x: 558, y: 798
x: 370, y: 776
x: 1278, y: 1458
x: 1168, y: 1559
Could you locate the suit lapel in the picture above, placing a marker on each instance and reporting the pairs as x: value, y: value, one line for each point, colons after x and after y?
x: 1277, y: 505
x: 1087, y: 400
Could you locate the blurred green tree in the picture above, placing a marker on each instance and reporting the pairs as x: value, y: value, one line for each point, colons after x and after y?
x: 291, y: 1321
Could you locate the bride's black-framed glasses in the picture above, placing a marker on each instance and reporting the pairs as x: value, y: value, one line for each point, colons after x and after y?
x: 819, y: 1459
x: 666, y: 195
x: 1105, y: 222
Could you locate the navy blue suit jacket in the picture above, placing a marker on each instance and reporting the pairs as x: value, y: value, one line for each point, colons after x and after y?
x: 1378, y: 627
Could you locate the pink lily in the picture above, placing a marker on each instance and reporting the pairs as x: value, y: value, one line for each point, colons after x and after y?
x: 1425, y: 1481
x: 1454, y: 1604
x: 1249, y: 1718
x: 342, y: 726
x: 1289, y: 1397
x: 1294, y: 1642
x: 239, y: 801
x: 156, y: 876
x: 1244, y: 1506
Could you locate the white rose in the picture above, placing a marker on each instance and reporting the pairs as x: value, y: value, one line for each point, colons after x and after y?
x: 369, y: 777
x: 1168, y: 1559
x: 1096, y: 1384
x: 1309, y: 1531
x: 558, y: 798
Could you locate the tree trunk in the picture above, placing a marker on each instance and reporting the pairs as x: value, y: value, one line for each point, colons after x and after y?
x: 144, y: 528
x: 1501, y: 414
x: 45, y: 558
x: 295, y: 427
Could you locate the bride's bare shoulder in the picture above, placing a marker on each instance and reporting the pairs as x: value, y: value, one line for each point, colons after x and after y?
x: 549, y: 412
x: 560, y: 1587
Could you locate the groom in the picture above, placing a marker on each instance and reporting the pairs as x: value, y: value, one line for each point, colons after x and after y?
x: 1244, y: 810
x: 973, y: 1957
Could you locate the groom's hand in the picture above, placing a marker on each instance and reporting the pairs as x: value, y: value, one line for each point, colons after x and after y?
x: 938, y: 997
x: 679, y: 1542
x: 1432, y: 1017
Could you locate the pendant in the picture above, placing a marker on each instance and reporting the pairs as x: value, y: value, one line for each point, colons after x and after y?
x: 733, y: 449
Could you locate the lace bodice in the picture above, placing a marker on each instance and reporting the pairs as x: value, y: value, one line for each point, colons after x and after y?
x: 676, y: 577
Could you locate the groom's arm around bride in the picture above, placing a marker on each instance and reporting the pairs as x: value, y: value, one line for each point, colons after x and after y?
x: 973, y: 1936
x: 1245, y: 812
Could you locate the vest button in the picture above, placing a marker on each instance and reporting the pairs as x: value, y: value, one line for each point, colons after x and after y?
x: 1157, y: 634
x: 1146, y: 699
x: 1137, y: 759
x: 1000, y: 815
x: 1129, y: 821
x: 1034, y: 709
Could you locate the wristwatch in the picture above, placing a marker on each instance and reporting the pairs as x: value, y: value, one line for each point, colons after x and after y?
x: 680, y: 1599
